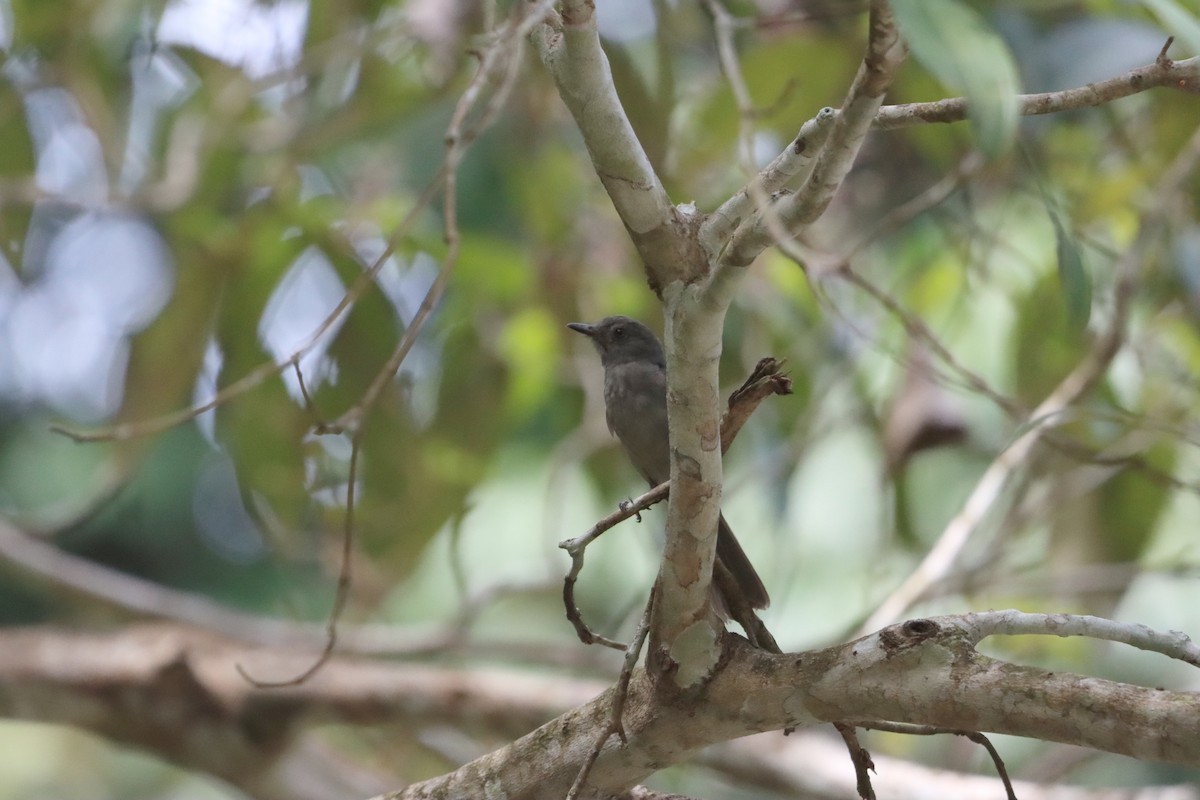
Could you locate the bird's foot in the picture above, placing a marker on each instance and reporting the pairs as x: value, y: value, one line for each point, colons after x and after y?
x: 625, y: 504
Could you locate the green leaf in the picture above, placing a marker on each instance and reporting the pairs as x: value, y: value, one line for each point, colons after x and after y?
x: 1076, y: 283
x: 955, y: 44
x: 1181, y: 24
x: 417, y: 478
x: 1047, y: 345
x: 1072, y: 274
x: 1132, y: 504
x: 530, y: 345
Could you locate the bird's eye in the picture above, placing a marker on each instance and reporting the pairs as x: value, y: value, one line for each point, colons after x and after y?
x: 618, y: 332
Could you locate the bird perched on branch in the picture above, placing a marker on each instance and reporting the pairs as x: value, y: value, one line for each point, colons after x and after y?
x: 635, y: 402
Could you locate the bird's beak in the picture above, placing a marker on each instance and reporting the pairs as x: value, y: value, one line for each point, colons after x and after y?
x: 584, y: 328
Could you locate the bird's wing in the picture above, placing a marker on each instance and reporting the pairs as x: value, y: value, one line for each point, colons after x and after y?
x: 635, y: 400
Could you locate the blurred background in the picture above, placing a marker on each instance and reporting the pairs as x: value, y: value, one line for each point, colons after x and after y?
x: 189, y: 188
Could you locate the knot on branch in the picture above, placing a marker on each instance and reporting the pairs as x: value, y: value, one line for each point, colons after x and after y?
x: 908, y: 634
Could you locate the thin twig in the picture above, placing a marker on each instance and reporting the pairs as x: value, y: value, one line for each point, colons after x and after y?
x: 917, y: 329
x: 341, y: 594
x: 840, y: 266
x: 928, y: 730
x: 620, y: 696
x: 756, y: 194
x: 860, y: 758
x: 504, y: 55
x: 1163, y: 73
x: 986, y: 743
x: 577, y: 548
x: 309, y: 405
x: 929, y: 198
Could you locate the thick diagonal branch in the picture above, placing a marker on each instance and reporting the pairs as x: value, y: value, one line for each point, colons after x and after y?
x: 570, y: 49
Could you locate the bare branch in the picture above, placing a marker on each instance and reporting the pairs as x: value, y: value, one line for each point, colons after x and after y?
x: 570, y: 49
x: 577, y: 547
x: 619, y: 698
x: 786, y: 170
x: 342, y: 592
x: 685, y: 638
x: 1172, y: 644
x: 885, y: 53
x: 923, y: 672
x: 860, y: 758
x: 501, y: 64
x: 135, y: 685
x: 974, y: 736
x: 765, y: 380
x: 98, y: 584
x: 1163, y: 73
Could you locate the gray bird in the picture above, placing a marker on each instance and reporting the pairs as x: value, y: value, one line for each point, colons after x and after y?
x: 635, y: 402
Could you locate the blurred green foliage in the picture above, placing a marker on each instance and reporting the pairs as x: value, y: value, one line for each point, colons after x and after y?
x: 958, y: 47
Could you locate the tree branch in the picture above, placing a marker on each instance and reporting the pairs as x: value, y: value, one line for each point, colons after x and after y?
x: 885, y: 53
x: 134, y: 686
x: 788, y: 169
x: 173, y: 691
x: 685, y: 636
x: 1181, y: 75
x: 784, y: 172
x: 924, y: 672
x: 570, y: 49
x: 101, y: 587
x: 1163, y: 73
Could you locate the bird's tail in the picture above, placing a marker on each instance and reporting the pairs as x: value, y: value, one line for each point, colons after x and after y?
x: 735, y: 560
